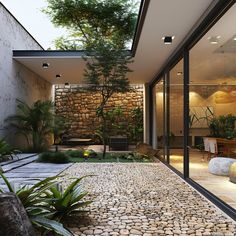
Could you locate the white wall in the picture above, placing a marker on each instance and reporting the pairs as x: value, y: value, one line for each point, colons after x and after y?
x: 16, y: 81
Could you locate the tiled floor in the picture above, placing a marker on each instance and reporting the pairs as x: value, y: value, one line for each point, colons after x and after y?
x: 218, y: 185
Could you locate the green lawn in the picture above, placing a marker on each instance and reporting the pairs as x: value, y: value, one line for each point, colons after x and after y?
x: 110, y: 158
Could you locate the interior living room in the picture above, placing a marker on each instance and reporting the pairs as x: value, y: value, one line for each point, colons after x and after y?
x: 211, y: 108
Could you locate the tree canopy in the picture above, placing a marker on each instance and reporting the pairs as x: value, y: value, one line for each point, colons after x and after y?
x: 109, y: 19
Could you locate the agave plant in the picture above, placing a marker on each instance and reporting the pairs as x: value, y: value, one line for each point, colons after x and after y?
x: 67, y: 202
x: 33, y: 122
x: 35, y: 202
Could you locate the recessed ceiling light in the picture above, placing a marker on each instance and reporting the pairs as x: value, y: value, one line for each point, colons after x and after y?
x: 168, y: 39
x: 234, y: 39
x: 45, y: 65
x: 214, y: 39
x: 179, y: 73
x: 58, y: 76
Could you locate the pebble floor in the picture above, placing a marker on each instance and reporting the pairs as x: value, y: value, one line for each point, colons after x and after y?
x: 144, y: 199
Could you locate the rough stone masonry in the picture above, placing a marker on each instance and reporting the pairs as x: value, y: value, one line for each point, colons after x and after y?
x: 78, y: 107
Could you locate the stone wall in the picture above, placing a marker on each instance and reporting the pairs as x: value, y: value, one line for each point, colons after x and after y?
x: 17, y: 82
x: 78, y: 107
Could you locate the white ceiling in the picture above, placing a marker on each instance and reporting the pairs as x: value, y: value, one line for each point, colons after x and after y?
x: 213, y: 63
x: 164, y: 18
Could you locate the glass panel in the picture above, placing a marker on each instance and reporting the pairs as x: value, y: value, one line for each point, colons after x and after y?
x: 213, y: 109
x: 176, y: 140
x: 159, y: 117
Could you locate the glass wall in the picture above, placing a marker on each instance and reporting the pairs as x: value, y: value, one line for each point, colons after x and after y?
x: 212, y: 111
x: 176, y: 138
x: 212, y: 107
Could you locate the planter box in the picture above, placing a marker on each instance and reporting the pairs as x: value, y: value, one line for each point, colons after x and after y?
x: 118, y: 143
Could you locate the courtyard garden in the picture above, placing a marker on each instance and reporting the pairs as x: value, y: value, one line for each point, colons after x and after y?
x: 78, y: 165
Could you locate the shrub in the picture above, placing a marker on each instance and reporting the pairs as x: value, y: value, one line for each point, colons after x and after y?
x: 53, y: 157
x: 223, y: 126
x: 91, y: 153
x: 35, y: 201
x: 47, y: 204
x: 75, y: 153
x: 68, y: 202
x: 6, y: 150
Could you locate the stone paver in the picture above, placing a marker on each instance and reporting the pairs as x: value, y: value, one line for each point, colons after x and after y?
x: 18, y: 157
x: 16, y: 164
x: 31, y: 173
x: 144, y: 199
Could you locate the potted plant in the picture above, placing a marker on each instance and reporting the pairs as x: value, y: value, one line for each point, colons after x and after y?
x: 223, y: 126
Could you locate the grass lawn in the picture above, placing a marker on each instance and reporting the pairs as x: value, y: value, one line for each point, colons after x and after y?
x: 110, y: 157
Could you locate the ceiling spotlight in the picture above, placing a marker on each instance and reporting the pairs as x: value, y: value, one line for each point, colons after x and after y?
x: 234, y: 38
x: 214, y: 39
x: 45, y: 65
x: 58, y: 76
x: 179, y: 73
x: 168, y: 39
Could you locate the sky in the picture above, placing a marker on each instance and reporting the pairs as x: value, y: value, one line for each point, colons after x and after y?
x: 28, y: 13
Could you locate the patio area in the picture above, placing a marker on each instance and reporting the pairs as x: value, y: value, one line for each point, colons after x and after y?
x: 144, y: 199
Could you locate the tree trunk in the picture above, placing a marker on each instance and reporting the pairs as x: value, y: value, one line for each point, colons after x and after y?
x: 104, y: 131
x: 104, y: 149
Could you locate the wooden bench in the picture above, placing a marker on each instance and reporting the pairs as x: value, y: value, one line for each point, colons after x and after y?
x: 78, y: 141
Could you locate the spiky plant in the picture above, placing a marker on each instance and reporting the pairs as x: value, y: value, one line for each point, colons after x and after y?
x: 33, y: 122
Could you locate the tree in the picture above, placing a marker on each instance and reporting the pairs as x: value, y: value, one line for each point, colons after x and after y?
x: 103, y: 28
x: 87, y: 20
x: 33, y: 122
x: 106, y: 72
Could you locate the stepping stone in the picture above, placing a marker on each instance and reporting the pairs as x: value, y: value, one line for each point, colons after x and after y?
x: 18, y: 164
x: 28, y: 175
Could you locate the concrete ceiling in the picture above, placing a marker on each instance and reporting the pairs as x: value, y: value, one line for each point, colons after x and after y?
x: 164, y: 18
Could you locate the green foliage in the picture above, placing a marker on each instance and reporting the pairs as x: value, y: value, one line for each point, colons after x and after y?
x: 102, y: 28
x: 47, y: 204
x: 136, y: 126
x: 223, y: 126
x: 114, y: 158
x: 58, y: 128
x: 106, y: 73
x: 33, y: 122
x: 67, y: 202
x: 53, y: 157
x: 116, y: 122
x: 6, y: 149
x: 75, y: 153
x: 85, y: 19
x: 35, y: 203
x: 51, y: 225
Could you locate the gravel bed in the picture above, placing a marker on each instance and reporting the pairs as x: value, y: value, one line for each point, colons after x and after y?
x: 144, y: 199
